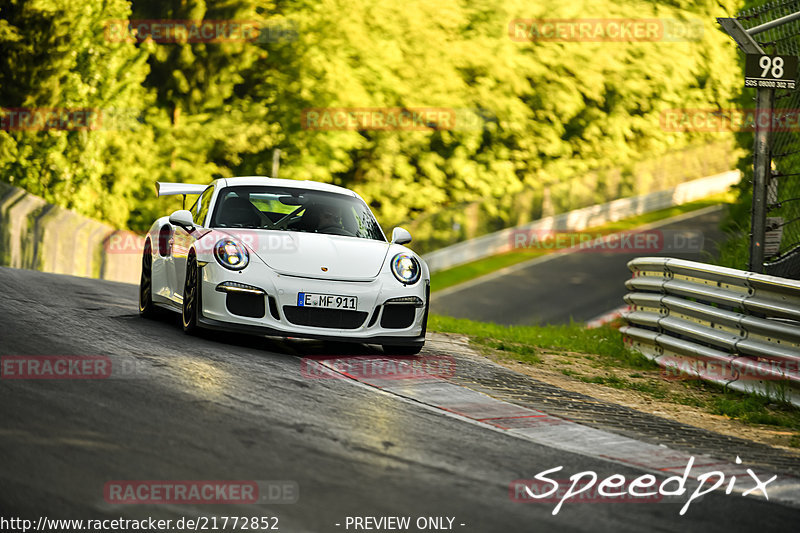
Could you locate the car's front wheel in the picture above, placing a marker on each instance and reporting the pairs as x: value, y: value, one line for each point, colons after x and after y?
x: 146, y: 307
x: 191, y: 296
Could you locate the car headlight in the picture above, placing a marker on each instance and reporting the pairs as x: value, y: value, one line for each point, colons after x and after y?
x: 406, y: 269
x: 231, y: 254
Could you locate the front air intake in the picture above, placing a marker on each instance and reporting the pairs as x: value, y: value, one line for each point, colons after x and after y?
x: 324, y: 318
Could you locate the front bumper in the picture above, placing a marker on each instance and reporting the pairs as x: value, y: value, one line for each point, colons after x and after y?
x: 373, y: 321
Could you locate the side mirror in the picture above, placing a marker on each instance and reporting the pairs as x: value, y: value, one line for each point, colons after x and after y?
x: 400, y: 236
x: 182, y: 218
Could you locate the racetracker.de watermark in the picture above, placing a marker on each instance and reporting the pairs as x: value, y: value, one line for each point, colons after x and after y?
x: 55, y: 367
x: 70, y: 119
x: 729, y: 120
x: 605, y: 30
x: 71, y: 367
x: 370, y: 367
x: 645, y: 242
x: 50, y: 118
x: 127, y: 242
x: 194, y: 492
x: 165, y: 31
x: 676, y: 368
x: 379, y: 118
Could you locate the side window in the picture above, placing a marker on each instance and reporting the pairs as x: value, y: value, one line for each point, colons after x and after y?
x: 202, y: 206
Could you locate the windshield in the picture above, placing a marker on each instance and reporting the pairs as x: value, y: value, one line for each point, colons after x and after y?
x: 290, y: 209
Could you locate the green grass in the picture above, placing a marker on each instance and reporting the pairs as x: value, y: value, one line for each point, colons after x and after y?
x: 611, y: 381
x: 522, y: 352
x: 755, y: 409
x: 691, y: 401
x: 652, y: 388
x: 605, y: 341
x: 475, y: 269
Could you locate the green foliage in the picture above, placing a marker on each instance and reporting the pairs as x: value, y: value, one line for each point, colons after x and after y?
x: 575, y: 119
x: 55, y: 56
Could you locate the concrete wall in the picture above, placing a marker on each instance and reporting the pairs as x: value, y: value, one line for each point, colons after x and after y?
x: 580, y: 219
x: 41, y: 236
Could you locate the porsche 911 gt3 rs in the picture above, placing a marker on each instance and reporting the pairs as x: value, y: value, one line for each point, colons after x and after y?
x: 285, y: 258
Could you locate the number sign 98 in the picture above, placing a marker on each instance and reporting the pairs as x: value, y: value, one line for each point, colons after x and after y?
x: 772, y: 65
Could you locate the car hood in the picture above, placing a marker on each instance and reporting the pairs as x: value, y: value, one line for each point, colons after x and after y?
x: 315, y: 255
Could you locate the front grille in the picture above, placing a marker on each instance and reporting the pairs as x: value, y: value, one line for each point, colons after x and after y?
x: 324, y: 318
x: 398, y: 316
x: 244, y: 304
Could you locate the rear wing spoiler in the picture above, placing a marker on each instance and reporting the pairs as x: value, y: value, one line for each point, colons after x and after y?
x: 166, y: 189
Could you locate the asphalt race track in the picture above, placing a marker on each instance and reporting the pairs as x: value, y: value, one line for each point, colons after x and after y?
x: 567, y: 286
x: 227, y: 407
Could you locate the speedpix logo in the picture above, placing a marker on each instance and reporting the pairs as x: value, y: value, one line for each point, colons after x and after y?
x: 587, y: 487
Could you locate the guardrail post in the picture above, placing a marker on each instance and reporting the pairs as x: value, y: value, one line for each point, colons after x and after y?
x: 761, y: 175
x: 761, y: 147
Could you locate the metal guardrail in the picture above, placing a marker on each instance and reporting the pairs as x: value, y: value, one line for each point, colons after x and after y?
x: 735, y: 328
x: 596, y: 215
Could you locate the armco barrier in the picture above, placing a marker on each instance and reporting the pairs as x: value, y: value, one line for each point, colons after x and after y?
x: 41, y: 236
x: 580, y: 219
x: 731, y: 327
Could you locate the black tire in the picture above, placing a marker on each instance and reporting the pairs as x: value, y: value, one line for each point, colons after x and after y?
x: 191, y: 297
x: 146, y: 307
x: 389, y: 349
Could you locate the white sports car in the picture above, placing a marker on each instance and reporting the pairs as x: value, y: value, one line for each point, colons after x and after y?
x: 285, y: 258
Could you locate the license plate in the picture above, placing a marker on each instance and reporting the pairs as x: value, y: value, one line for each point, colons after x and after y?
x: 329, y: 301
